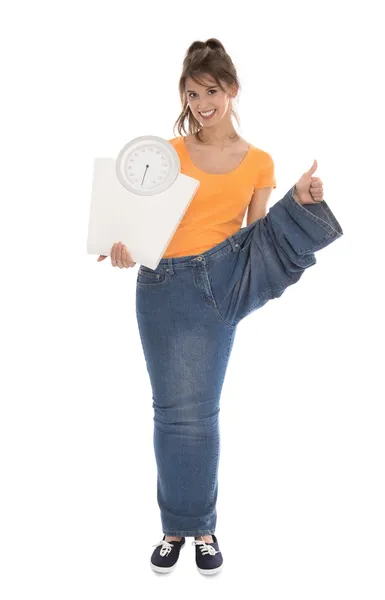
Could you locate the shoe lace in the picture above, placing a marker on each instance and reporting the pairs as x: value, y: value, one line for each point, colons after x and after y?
x: 205, y: 548
x: 166, y: 547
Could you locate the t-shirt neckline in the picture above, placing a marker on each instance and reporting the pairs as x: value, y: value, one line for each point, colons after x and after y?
x: 241, y: 164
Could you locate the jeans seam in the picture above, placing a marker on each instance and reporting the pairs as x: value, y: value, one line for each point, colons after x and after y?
x: 218, y: 447
x: 213, y: 302
x: 152, y: 280
x: 214, y: 306
x: 229, y: 325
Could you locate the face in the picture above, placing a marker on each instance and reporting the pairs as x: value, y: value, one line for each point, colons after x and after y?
x: 207, y: 96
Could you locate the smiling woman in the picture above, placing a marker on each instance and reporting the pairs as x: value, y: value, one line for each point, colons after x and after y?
x: 213, y: 274
x: 209, y: 82
x: 235, y: 176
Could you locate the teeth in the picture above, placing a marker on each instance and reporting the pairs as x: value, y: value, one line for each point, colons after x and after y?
x: 208, y: 113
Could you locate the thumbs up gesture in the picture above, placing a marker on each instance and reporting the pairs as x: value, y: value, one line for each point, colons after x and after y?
x: 309, y: 189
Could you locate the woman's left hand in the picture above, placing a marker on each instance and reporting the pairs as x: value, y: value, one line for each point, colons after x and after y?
x: 308, y: 189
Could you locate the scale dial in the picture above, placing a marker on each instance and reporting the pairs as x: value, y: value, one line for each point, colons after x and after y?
x: 147, y: 165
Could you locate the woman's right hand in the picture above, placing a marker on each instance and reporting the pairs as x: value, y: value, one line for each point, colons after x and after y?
x: 120, y: 257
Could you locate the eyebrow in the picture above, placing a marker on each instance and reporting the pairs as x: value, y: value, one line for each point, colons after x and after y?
x: 206, y: 86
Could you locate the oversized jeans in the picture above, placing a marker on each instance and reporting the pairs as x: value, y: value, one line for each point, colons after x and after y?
x: 187, y: 310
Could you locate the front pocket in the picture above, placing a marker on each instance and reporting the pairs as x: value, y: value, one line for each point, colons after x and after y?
x: 148, y: 277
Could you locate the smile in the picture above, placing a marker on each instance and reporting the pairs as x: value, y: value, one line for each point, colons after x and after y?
x: 207, y: 115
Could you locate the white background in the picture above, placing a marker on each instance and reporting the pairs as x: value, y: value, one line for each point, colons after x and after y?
x: 301, y: 477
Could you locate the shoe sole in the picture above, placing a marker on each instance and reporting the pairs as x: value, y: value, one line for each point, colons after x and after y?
x: 166, y: 569
x: 210, y: 571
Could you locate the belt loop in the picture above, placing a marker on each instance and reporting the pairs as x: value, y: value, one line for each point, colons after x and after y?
x: 233, y: 243
x: 169, y: 267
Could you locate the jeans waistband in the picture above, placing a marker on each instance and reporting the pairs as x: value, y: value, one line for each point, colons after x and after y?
x: 230, y: 244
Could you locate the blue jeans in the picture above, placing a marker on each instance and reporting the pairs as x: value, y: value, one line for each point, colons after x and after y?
x: 187, y: 310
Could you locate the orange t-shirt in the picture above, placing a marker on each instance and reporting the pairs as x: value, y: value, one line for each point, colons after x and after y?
x: 220, y: 203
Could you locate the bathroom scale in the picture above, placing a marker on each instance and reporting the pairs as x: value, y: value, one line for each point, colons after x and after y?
x: 139, y: 199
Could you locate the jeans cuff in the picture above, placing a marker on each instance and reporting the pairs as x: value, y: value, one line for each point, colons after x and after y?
x: 301, y: 230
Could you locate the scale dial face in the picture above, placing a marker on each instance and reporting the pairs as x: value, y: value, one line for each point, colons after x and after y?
x: 147, y: 165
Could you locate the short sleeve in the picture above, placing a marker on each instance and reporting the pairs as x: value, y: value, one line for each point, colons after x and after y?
x: 266, y: 172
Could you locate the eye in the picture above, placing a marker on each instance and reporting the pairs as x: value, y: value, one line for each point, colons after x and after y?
x: 195, y: 94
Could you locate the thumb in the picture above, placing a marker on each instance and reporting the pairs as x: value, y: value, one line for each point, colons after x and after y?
x: 313, y: 168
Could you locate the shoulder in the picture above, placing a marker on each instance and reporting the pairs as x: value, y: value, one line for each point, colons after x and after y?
x: 263, y: 169
x: 175, y: 141
x: 263, y: 157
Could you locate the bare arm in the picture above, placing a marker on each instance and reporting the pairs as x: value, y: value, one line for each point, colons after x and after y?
x: 258, y: 204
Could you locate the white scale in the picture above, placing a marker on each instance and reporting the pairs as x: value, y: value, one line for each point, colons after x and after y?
x: 138, y: 199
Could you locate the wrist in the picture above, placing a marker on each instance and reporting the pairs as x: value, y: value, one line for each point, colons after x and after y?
x: 296, y: 196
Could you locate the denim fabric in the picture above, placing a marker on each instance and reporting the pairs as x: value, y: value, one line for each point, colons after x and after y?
x: 188, y: 309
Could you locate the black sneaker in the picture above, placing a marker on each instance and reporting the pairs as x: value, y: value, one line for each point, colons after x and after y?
x: 166, y: 554
x: 208, y: 557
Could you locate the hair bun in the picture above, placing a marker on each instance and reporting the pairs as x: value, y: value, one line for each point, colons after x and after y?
x: 211, y: 44
x: 215, y: 44
x: 196, y: 46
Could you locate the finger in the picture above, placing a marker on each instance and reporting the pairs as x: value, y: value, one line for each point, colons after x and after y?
x: 125, y: 257
x: 123, y: 251
x: 317, y: 196
x: 119, y: 256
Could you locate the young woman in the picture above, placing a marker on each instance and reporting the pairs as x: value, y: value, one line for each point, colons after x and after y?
x: 213, y: 274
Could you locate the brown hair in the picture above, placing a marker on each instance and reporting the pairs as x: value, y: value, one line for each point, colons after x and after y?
x: 203, y: 58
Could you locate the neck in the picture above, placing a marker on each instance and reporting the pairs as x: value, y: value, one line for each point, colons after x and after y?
x: 221, y: 135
